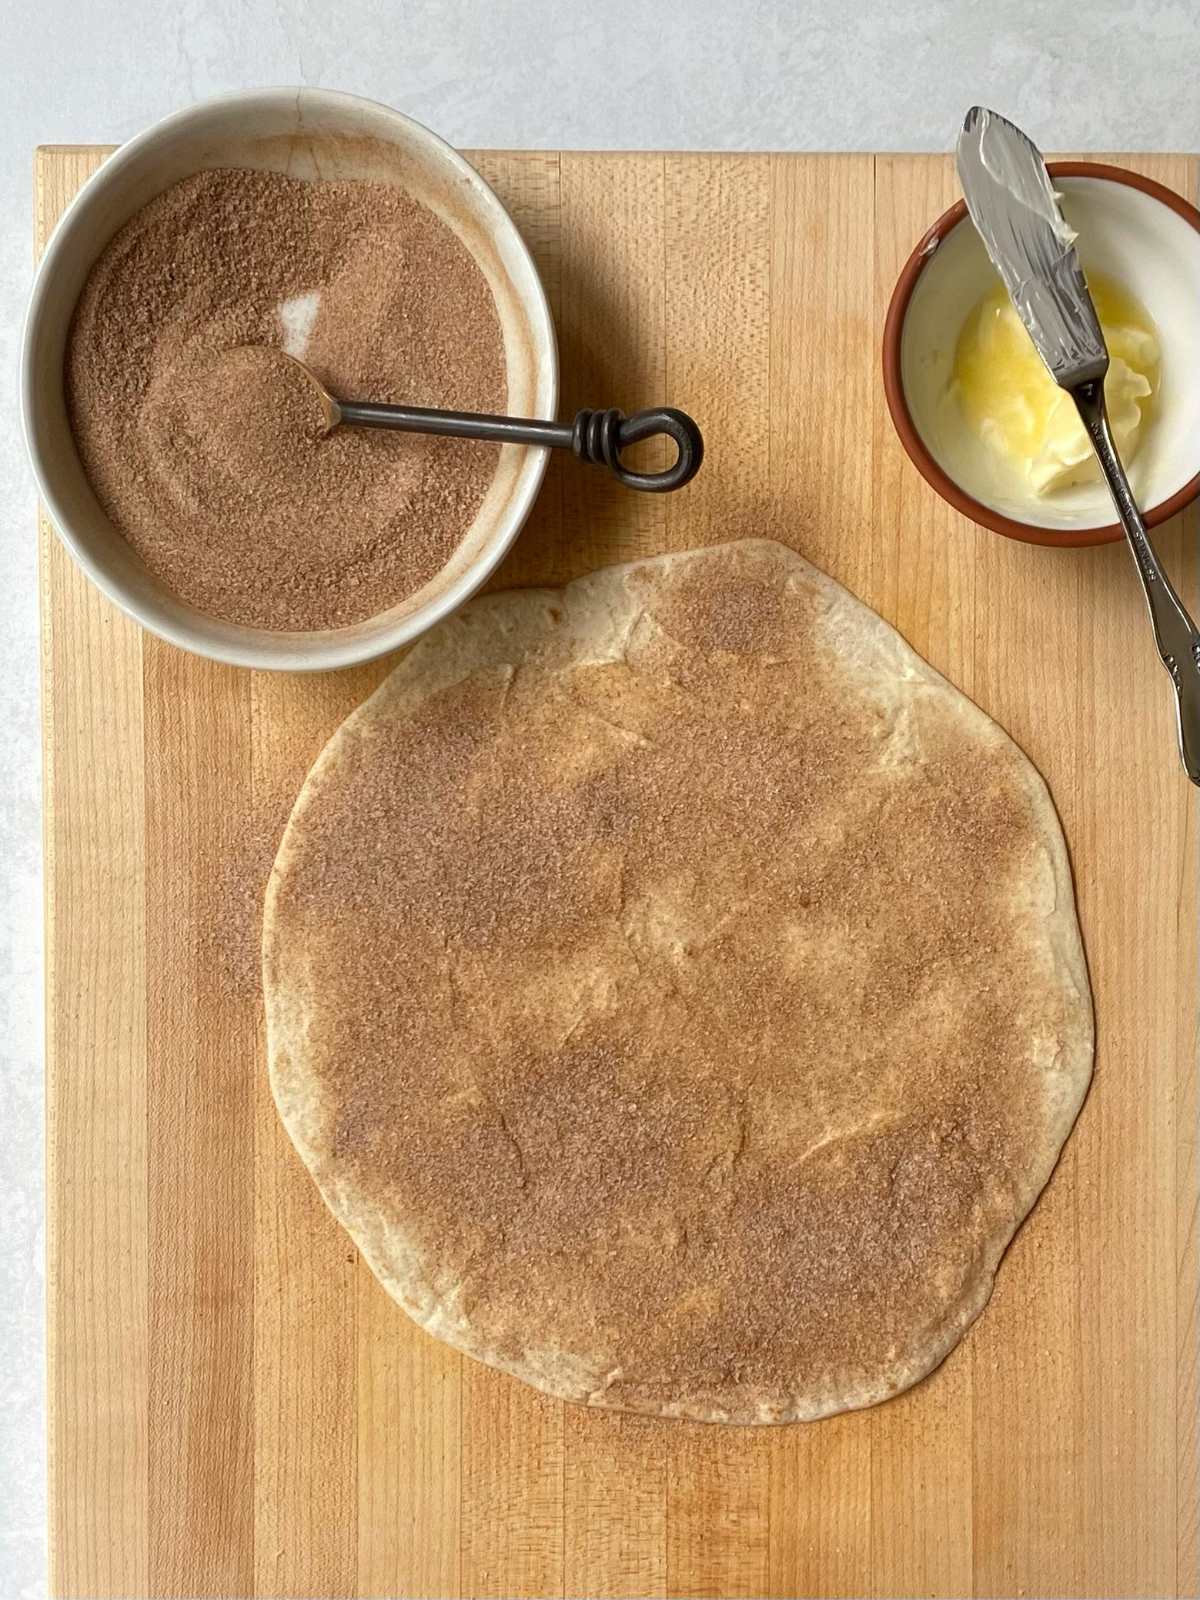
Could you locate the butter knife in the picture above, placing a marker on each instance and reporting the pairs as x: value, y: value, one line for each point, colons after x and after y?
x: 1013, y: 205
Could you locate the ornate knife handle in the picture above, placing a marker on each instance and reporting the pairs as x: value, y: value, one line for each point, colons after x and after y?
x: 1174, y: 631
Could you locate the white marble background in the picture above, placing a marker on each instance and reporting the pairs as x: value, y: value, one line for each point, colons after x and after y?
x: 716, y: 74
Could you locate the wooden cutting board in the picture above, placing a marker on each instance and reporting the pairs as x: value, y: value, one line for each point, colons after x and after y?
x: 236, y: 1407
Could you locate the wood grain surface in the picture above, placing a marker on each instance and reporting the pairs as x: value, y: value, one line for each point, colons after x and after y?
x: 236, y: 1408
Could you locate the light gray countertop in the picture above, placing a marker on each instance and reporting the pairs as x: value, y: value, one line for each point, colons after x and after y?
x: 632, y: 74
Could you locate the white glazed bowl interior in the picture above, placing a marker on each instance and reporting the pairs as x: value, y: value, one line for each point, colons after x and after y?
x: 1147, y: 248
x: 308, y: 133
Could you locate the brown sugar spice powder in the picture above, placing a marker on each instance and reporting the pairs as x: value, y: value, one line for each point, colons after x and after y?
x: 204, y: 446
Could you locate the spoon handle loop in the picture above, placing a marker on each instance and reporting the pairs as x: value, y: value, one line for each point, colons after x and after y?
x: 600, y: 437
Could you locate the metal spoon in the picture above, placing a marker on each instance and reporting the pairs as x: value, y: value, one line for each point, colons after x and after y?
x: 1013, y: 205
x: 595, y: 436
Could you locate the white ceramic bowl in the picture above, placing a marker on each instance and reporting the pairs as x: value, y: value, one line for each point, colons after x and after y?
x: 307, y: 133
x: 1133, y: 230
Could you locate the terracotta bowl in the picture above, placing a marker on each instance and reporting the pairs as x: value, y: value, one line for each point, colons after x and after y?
x: 307, y: 133
x: 1137, y: 232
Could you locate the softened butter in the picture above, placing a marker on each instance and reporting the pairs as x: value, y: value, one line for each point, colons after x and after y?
x: 1013, y: 404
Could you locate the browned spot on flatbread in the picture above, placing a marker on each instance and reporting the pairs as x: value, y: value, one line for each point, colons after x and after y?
x: 685, y: 1049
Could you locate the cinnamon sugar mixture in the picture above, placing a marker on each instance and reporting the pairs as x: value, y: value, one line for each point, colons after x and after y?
x: 204, y: 445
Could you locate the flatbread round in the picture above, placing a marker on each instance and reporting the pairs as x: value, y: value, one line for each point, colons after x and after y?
x: 674, y: 987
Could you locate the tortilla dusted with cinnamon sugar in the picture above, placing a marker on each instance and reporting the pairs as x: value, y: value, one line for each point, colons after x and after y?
x: 674, y: 987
